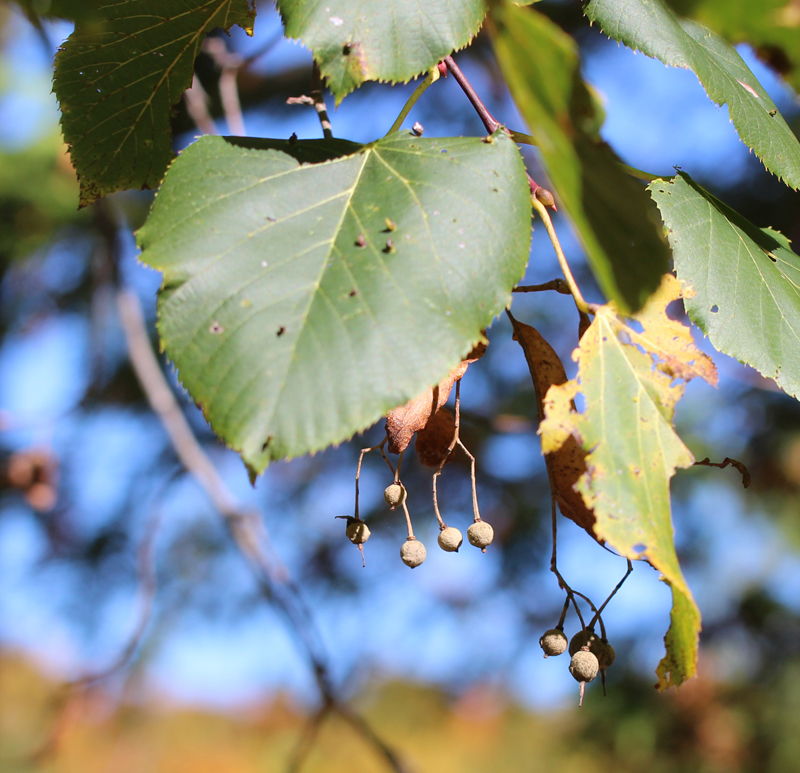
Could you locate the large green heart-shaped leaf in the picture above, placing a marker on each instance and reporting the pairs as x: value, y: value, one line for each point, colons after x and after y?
x: 117, y: 78
x: 301, y: 302
x: 651, y: 27
x: 616, y: 223
x: 380, y: 40
x: 746, y: 279
x: 633, y: 450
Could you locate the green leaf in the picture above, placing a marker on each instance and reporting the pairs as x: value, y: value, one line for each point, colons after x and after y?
x: 746, y: 280
x: 615, y: 222
x: 381, y: 40
x: 770, y: 26
x: 118, y: 78
x: 651, y: 27
x: 74, y: 10
x: 633, y: 450
x: 301, y: 302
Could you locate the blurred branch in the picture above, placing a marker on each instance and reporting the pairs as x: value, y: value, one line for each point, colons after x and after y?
x: 196, y: 100
x: 244, y: 525
x: 75, y: 689
x: 229, y: 64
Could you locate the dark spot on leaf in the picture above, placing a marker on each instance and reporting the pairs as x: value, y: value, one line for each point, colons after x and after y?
x: 353, y: 293
x: 346, y: 49
x: 714, y: 309
x: 773, y: 113
x: 266, y: 444
x: 216, y: 328
x: 281, y: 331
x: 271, y: 219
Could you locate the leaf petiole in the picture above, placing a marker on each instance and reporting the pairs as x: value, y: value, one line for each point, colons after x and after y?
x: 432, y: 76
x: 562, y: 260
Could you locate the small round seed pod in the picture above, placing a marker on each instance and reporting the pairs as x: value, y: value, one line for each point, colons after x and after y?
x: 605, y: 654
x: 584, y: 666
x: 395, y: 495
x: 450, y: 539
x: 480, y: 534
x: 357, y: 532
x: 413, y: 553
x: 585, y: 638
x: 553, y: 642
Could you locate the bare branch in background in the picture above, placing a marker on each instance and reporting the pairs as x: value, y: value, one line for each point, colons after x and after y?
x: 68, y: 702
x: 229, y: 64
x: 197, y: 106
x: 245, y: 525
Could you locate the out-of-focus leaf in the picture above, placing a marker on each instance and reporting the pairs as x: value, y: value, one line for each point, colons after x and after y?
x: 746, y: 280
x: 117, y: 79
x: 651, y: 27
x: 354, y: 42
x: 626, y: 378
x: 302, y: 302
x: 616, y: 224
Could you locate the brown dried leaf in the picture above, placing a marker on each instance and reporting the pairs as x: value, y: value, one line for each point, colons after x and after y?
x: 434, y: 439
x: 565, y: 463
x: 403, y: 422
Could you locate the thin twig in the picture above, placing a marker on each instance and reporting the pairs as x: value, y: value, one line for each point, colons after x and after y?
x: 77, y: 688
x: 724, y: 463
x: 197, y: 107
x: 610, y: 596
x: 306, y: 741
x: 562, y: 260
x: 412, y: 100
x: 229, y: 64
x: 319, y: 101
x: 559, y: 285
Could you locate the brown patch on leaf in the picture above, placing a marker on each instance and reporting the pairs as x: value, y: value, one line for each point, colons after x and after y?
x: 566, y: 464
x: 434, y: 439
x: 403, y: 422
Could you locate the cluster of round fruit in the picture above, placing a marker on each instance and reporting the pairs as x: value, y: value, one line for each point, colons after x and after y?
x: 413, y: 552
x: 591, y: 655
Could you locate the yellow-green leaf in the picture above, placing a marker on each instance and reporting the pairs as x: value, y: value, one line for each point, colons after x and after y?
x: 628, y: 381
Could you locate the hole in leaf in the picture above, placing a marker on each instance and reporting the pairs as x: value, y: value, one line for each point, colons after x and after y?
x: 640, y: 547
x: 714, y: 309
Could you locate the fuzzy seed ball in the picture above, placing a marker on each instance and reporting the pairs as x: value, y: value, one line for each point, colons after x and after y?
x: 395, y: 495
x: 357, y: 532
x: 450, y: 539
x: 413, y: 553
x: 480, y: 534
x: 584, y: 638
x: 584, y: 666
x: 553, y: 642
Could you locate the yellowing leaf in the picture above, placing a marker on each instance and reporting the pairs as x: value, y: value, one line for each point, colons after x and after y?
x: 627, y: 380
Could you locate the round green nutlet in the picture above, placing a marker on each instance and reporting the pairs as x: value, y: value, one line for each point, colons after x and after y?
x: 450, y: 539
x: 395, y: 495
x: 357, y: 532
x: 413, y: 553
x: 585, y: 638
x: 480, y: 534
x: 553, y: 642
x: 584, y: 666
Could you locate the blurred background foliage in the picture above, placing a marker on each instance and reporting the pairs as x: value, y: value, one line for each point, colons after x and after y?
x: 443, y: 661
